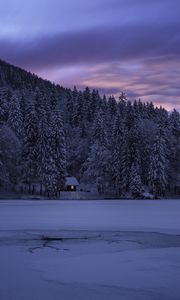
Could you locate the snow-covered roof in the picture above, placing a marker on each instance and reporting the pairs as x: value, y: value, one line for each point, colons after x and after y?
x: 71, y: 181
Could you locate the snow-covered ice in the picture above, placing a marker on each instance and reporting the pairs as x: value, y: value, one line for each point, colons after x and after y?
x: 109, y: 250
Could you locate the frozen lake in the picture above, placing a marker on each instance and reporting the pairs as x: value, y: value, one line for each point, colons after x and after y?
x: 96, y: 250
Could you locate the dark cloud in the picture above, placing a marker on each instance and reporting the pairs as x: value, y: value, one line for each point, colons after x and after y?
x: 96, y: 45
x: 111, y: 45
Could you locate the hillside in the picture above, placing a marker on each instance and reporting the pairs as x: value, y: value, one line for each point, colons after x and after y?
x: 48, y: 132
x: 17, y: 78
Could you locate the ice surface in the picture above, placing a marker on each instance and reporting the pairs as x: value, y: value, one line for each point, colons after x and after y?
x: 96, y: 250
x: 149, y: 215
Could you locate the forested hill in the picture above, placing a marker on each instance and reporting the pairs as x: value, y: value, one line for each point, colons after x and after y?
x: 48, y: 132
x: 17, y: 78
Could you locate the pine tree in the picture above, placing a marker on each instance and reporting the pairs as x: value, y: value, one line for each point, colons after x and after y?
x: 134, y: 144
x: 42, y: 149
x: 125, y: 163
x: 70, y: 109
x: 39, y: 104
x: 97, y: 166
x: 135, y: 185
x: 122, y: 105
x: 117, y: 145
x: 51, y: 153
x: 87, y: 100
x: 158, y: 163
x: 10, y: 152
x: 79, y: 110
x: 5, y: 96
x: 58, y: 148
x: 4, y: 174
x: 98, y: 129
x: 112, y: 106
x: 50, y: 178
x: 29, y: 154
x: 94, y: 105
x: 15, y: 117
x: 174, y: 152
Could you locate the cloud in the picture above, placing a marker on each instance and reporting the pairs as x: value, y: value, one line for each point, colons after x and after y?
x: 136, y: 49
x: 95, y: 46
x: 157, y: 82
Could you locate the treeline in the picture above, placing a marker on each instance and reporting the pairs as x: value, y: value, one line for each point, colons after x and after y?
x: 48, y: 132
x: 122, y: 146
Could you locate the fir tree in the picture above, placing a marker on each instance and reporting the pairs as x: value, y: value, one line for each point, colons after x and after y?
x: 174, y: 152
x: 15, y: 117
x: 97, y: 167
x: 42, y: 151
x: 122, y: 105
x: 70, y: 108
x: 29, y: 154
x: 117, y: 146
x: 10, y: 153
x: 135, y: 184
x: 58, y: 148
x: 98, y: 129
x: 158, y: 163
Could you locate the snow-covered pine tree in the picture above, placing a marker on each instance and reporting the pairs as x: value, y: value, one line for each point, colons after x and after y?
x: 151, y: 114
x: 39, y: 104
x: 69, y: 108
x: 99, y: 129
x: 58, y: 148
x: 122, y: 105
x: 53, y: 100
x: 135, y: 183
x: 50, y: 176
x: 97, y: 165
x: 174, y: 152
x: 129, y: 116
x: 131, y: 148
x: 47, y: 169
x: 94, y: 105
x: 51, y: 153
x: 10, y: 152
x: 125, y: 162
x: 79, y: 110
x: 87, y: 100
x: 112, y: 106
x: 4, y: 174
x: 29, y: 151
x: 117, y: 145
x: 5, y: 96
x: 110, y: 114
x: 15, y: 117
x: 158, y: 162
x: 134, y: 144
x: 147, y: 132
x: 42, y: 151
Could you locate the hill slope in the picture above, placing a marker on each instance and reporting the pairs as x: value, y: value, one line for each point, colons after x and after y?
x: 47, y: 132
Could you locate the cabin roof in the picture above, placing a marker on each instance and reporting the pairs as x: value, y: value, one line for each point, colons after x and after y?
x: 71, y: 181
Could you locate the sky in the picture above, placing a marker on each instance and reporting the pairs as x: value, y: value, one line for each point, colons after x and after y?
x: 113, y: 45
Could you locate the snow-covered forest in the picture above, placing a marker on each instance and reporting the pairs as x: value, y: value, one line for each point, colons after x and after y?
x: 48, y: 132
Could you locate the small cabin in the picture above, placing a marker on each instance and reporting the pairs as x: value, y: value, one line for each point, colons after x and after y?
x: 71, y: 184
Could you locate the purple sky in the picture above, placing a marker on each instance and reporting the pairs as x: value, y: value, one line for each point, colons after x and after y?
x: 112, y: 45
